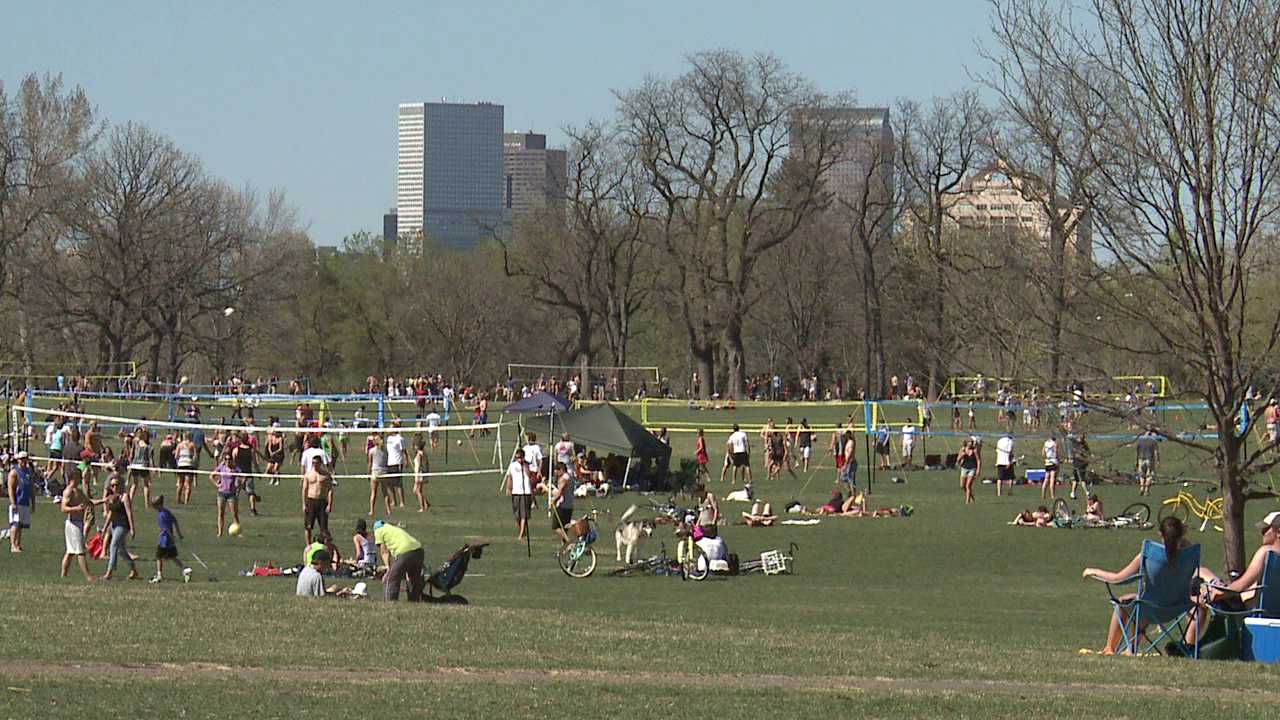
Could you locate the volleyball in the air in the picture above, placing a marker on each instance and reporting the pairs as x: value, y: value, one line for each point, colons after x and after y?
x: 459, y: 442
x: 228, y: 311
x: 234, y: 529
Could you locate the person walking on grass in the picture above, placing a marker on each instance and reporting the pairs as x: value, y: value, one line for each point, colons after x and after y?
x: 1080, y: 457
x: 970, y: 462
x: 317, y: 498
x: 119, y: 522
x: 167, y: 541
x: 1004, y: 463
x: 1148, y: 450
x: 75, y: 505
x: 804, y: 440
x: 701, y: 457
x: 421, y: 468
x: 22, y: 499
x: 395, y: 464
x: 518, y: 484
x: 228, y: 492
x: 140, y: 464
x: 738, y: 447
x: 377, y: 474
x: 561, y: 498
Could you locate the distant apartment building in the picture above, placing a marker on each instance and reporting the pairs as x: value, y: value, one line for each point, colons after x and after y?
x: 449, y: 172
x: 862, y: 178
x: 991, y: 200
x: 534, y: 176
x: 390, y: 226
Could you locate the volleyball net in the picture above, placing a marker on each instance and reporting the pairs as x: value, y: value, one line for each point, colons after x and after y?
x: 601, y: 382
x: 448, y: 449
x: 68, y: 372
x: 723, y: 415
x: 1117, y: 387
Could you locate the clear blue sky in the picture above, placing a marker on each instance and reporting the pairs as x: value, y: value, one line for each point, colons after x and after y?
x: 302, y: 96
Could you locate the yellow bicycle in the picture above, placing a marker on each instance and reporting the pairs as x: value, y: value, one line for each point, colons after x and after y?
x: 1184, y: 505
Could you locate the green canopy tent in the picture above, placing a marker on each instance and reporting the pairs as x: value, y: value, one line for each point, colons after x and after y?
x: 605, y: 427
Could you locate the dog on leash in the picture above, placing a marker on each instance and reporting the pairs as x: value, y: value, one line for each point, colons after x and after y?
x: 630, y: 534
x: 743, y: 495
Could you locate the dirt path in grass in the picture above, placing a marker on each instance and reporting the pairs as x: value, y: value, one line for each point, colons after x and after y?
x: 197, y: 671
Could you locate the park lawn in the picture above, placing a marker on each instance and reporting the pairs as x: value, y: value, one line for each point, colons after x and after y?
x: 949, y: 598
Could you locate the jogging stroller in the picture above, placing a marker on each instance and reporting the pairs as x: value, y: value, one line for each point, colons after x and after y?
x: 450, y: 574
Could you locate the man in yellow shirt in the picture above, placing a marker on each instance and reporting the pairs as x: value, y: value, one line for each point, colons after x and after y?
x: 404, y: 558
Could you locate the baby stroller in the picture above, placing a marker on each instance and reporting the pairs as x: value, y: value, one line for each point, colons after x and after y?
x: 450, y: 574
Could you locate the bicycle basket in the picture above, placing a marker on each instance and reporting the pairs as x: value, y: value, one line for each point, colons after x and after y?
x: 580, y: 527
x: 772, y: 563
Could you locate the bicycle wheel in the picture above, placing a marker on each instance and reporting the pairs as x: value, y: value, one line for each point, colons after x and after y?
x: 1174, y: 508
x: 1137, y: 513
x: 577, y: 561
x: 1062, y: 512
x: 695, y: 565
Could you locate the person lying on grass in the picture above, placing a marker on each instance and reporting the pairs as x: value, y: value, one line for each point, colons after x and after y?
x: 760, y: 516
x: 1173, y: 534
x: 1040, y: 517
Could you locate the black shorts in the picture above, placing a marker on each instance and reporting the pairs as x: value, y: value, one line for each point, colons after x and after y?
x: 520, y: 505
x: 316, y: 511
x: 166, y: 552
x: 741, y: 459
x: 562, y: 518
x: 1004, y: 472
x: 1051, y: 468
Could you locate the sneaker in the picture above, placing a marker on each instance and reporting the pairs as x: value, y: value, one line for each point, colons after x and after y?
x: 186, y: 575
x: 154, y: 580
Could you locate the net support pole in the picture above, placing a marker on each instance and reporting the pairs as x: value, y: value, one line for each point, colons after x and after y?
x: 626, y: 473
x: 30, y: 404
x: 382, y: 409
x: 868, y: 422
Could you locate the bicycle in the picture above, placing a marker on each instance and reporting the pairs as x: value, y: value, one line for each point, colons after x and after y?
x: 772, y: 562
x: 659, y: 564
x: 690, y: 558
x: 1135, y: 515
x: 578, y: 559
x: 1184, y: 505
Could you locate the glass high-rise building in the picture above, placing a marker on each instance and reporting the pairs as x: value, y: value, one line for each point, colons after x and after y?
x: 449, y: 177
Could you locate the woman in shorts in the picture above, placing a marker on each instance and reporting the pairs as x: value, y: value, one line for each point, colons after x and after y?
x: 421, y: 466
x: 702, y: 458
x: 140, y: 465
x: 187, y: 457
x: 970, y: 463
x: 274, y: 453
x: 224, y: 482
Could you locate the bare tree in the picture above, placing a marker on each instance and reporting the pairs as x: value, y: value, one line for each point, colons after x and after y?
x: 716, y: 144
x: 1179, y: 105
x: 940, y: 144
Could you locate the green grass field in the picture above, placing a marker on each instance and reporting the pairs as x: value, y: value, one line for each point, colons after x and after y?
x: 949, y: 613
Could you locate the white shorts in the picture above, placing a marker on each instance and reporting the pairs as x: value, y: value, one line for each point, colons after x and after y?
x: 907, y: 447
x: 806, y: 452
x: 20, y: 516
x: 74, y: 533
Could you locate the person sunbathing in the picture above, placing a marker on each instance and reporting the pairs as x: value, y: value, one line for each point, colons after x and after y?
x: 760, y: 516
x: 834, y: 505
x: 854, y: 506
x: 1093, y: 512
x: 1040, y: 517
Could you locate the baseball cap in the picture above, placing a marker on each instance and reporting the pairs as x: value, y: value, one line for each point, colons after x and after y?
x: 22, y: 455
x: 377, y: 524
x: 1272, y: 520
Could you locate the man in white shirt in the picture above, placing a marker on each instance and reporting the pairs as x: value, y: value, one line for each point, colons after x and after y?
x: 738, y: 446
x: 564, y: 451
x: 314, y: 450
x: 518, y: 485
x: 533, y: 457
x: 908, y: 445
x: 446, y: 396
x: 1050, y: 468
x: 1004, y: 463
x: 395, y: 464
x: 433, y: 422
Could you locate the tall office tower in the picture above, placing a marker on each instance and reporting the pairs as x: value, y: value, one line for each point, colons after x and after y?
x: 449, y: 177
x: 534, y: 176
x: 865, y: 161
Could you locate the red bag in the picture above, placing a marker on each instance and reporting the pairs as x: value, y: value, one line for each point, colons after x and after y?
x: 97, y: 546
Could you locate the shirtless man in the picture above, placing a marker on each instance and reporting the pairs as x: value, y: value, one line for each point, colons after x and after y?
x: 93, y: 443
x: 317, y: 497
x: 75, y: 504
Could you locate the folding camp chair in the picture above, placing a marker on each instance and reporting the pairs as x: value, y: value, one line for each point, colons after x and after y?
x: 1163, y: 598
x: 1225, y: 638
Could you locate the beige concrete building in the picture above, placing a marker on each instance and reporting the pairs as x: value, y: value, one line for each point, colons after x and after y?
x: 533, y: 176
x: 992, y: 200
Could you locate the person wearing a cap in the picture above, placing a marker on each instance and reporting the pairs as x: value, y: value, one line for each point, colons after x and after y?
x: 1269, y: 526
x: 22, y: 499
x: 404, y: 557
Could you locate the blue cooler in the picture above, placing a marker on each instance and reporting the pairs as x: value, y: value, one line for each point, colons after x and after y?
x: 1262, y: 639
x: 1035, y: 476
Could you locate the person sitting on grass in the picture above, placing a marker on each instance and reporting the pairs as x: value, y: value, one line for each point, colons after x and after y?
x: 833, y: 506
x: 365, y: 552
x: 855, y: 505
x: 1174, y: 536
x: 311, y: 579
x: 713, y: 546
x: 760, y: 516
x: 1093, y: 512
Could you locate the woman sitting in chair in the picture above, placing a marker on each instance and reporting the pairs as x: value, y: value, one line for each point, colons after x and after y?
x: 1173, y: 535
x: 1242, y: 593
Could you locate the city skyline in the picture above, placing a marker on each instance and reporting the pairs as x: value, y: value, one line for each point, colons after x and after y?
x: 225, y: 84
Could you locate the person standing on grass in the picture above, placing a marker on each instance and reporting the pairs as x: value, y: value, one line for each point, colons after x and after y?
x: 849, y: 472
x: 395, y: 464
x: 701, y: 457
x: 433, y: 424
x: 1004, y: 463
x: 908, y: 446
x: 533, y: 457
x: 377, y: 474
x: 75, y: 504
x: 273, y: 454
x: 140, y: 464
x: 561, y: 501
x: 245, y: 459
x: 421, y: 468
x: 1080, y: 457
x: 317, y: 498
x: 167, y: 543
x: 738, y: 447
x: 970, y: 462
x: 119, y: 521
x: 1148, y: 450
x: 518, y: 484
x: 228, y: 492
x: 22, y: 499
x: 93, y: 451
x: 1050, y: 468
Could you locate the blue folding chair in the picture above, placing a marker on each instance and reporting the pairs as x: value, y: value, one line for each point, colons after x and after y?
x: 1266, y: 603
x: 1162, y: 599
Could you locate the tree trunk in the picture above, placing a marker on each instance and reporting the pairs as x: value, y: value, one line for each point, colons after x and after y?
x: 735, y: 353
x: 704, y: 359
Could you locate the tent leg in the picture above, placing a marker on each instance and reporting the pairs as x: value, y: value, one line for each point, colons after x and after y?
x: 626, y: 473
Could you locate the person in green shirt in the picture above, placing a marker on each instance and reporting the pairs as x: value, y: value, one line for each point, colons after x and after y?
x: 404, y: 558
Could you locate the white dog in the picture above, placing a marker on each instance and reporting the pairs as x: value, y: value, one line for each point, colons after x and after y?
x: 630, y: 534
x: 743, y: 495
